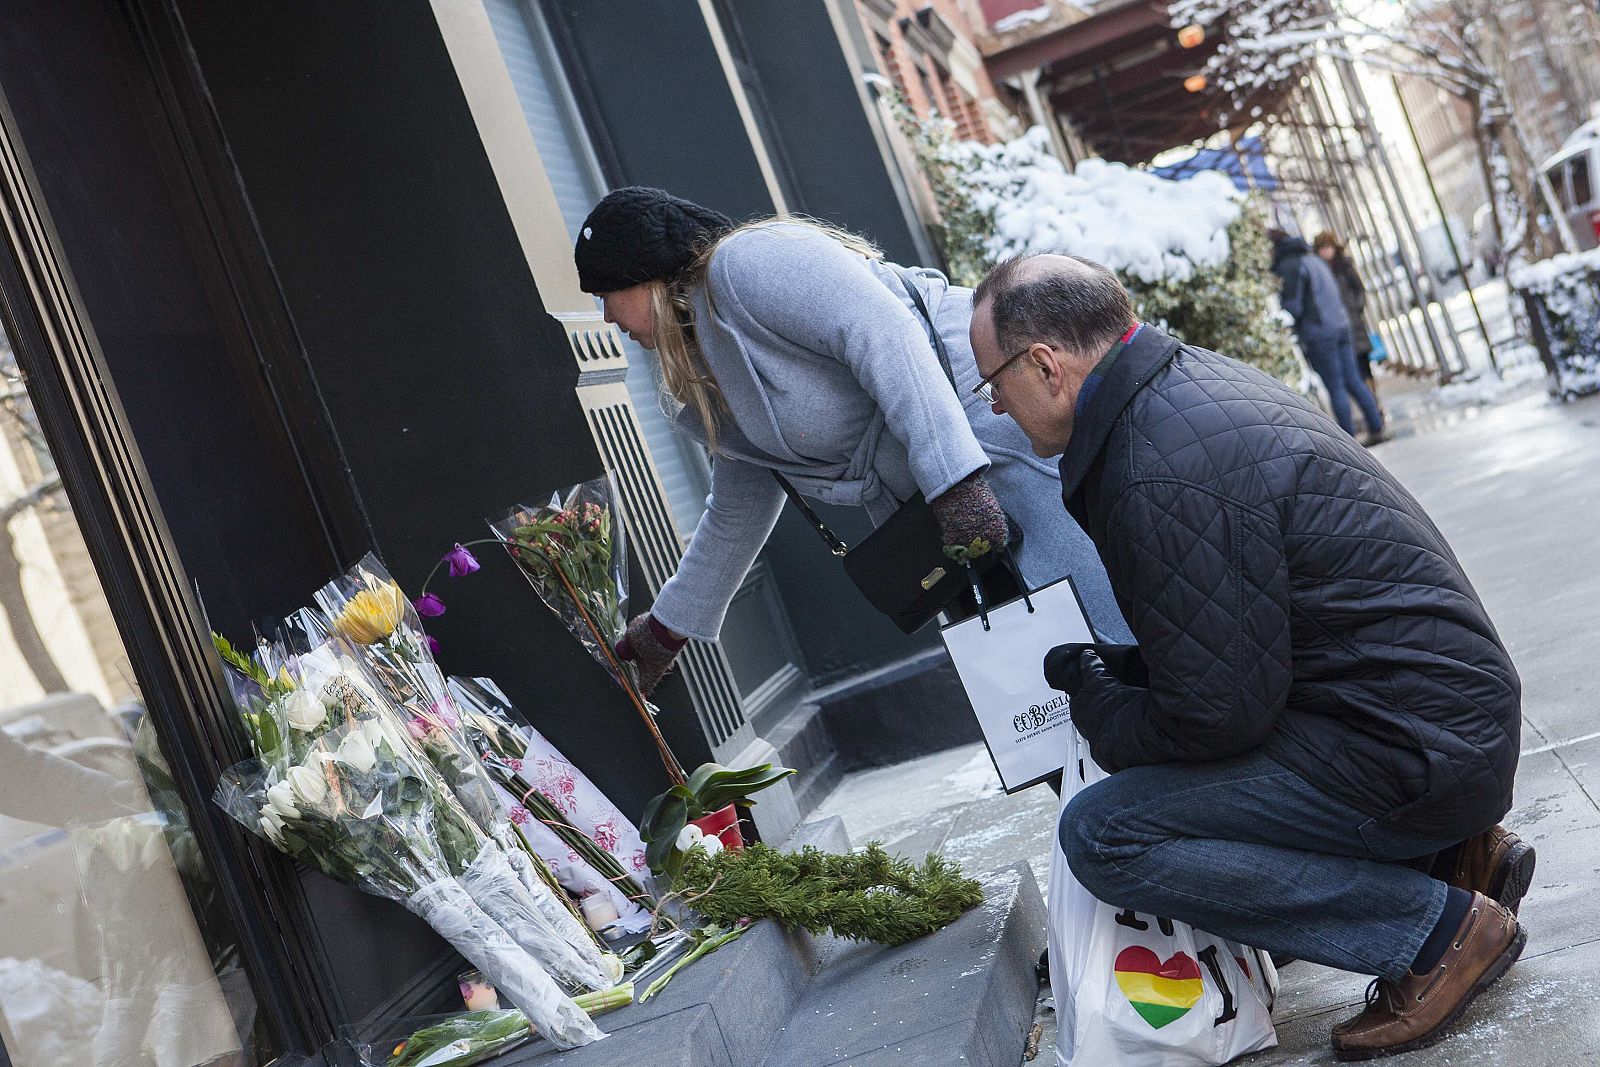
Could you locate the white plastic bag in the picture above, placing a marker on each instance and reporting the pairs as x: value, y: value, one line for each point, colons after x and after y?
x: 1136, y: 990
x: 446, y: 906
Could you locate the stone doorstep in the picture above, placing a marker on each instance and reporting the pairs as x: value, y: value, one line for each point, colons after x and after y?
x: 791, y: 1000
x: 964, y: 995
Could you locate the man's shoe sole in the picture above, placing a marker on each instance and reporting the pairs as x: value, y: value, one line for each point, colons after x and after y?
x: 1513, y: 877
x: 1442, y: 1031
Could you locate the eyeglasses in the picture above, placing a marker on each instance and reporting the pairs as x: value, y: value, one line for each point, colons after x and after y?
x: 984, y: 390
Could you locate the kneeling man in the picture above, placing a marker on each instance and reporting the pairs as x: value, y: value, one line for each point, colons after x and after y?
x: 1329, y: 732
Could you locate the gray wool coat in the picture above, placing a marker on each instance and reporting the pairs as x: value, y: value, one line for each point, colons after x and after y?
x: 830, y: 379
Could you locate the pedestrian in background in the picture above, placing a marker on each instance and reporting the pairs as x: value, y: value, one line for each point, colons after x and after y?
x: 1337, y: 257
x: 793, y: 348
x: 1310, y: 294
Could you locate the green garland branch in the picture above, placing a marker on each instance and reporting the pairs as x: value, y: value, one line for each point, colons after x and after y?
x: 865, y: 896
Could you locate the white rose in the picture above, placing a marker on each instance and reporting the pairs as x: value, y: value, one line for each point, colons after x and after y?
x: 304, y: 710
x: 308, y: 784
x: 280, y: 799
x: 355, y: 752
x: 689, y: 836
x: 272, y: 826
x: 379, y: 731
x: 712, y: 844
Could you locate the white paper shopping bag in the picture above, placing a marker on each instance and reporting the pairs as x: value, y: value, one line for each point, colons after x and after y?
x: 1025, y: 723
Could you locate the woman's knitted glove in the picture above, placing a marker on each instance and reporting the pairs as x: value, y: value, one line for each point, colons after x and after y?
x: 971, y: 519
x: 652, y: 648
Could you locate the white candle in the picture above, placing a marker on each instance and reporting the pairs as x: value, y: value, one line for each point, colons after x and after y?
x: 598, y: 911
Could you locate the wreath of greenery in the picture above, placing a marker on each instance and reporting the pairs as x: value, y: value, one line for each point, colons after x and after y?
x: 865, y: 896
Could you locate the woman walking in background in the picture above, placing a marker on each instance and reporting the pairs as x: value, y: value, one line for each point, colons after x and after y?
x: 1354, y: 294
x: 794, y: 348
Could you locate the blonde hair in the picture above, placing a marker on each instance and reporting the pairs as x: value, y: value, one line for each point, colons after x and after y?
x: 684, y: 373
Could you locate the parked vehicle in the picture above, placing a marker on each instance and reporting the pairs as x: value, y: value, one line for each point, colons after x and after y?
x: 1574, y: 173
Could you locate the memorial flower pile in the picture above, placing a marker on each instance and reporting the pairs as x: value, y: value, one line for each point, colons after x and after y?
x: 361, y: 771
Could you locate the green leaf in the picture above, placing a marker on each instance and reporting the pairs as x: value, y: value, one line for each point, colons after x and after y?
x: 738, y: 789
x: 271, y: 740
x: 703, y: 774
x: 238, y: 660
x: 665, y: 823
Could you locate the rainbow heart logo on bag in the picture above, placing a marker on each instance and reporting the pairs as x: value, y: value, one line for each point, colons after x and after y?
x: 1160, y: 991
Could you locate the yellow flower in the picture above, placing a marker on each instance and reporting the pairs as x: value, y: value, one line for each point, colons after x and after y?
x: 372, y: 614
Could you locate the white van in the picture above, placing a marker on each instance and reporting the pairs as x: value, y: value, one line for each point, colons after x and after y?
x: 1574, y: 174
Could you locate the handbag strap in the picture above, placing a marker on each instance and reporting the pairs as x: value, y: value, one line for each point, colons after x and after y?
x: 933, y: 331
x: 831, y: 539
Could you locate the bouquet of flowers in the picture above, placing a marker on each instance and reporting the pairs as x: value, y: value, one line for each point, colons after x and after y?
x: 341, y: 783
x: 381, y: 632
x: 548, y: 798
x: 573, y: 550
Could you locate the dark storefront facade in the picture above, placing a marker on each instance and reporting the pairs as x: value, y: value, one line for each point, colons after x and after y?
x: 282, y: 284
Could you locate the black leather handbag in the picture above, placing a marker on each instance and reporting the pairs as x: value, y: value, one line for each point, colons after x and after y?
x: 901, y: 567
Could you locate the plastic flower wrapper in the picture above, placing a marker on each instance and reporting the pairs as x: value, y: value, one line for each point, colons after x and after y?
x: 574, y: 551
x: 376, y: 627
x: 373, y: 815
x: 536, y: 914
x: 592, y: 850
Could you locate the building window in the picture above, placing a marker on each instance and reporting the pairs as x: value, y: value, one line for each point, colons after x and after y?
x: 115, y: 942
x: 1582, y: 190
x: 891, y: 62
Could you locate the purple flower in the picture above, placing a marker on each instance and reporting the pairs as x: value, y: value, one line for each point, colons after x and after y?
x: 433, y: 644
x: 429, y: 606
x: 461, y: 562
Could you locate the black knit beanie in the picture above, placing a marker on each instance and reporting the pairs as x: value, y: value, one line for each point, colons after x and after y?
x: 638, y: 234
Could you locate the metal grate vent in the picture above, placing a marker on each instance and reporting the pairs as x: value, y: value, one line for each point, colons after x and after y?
x: 655, y: 536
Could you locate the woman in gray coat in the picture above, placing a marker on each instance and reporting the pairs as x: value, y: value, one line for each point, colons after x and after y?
x: 795, y: 348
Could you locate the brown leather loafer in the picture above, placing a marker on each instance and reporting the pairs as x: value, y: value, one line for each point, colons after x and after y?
x: 1416, y: 1011
x: 1496, y: 863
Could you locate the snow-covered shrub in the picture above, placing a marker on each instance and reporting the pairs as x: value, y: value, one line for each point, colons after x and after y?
x: 1563, y: 298
x: 1193, y: 254
x: 1141, y: 226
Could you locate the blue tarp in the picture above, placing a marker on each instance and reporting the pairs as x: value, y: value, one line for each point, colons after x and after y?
x: 1245, y: 163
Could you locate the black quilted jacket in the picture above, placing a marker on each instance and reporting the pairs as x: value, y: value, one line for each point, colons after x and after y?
x: 1287, y: 594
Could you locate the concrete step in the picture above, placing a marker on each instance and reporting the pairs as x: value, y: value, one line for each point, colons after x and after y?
x: 964, y: 995
x: 783, y: 999
x: 803, y: 742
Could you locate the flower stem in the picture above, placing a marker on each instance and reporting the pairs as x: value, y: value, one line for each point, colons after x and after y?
x: 674, y: 768
x: 715, y: 940
x: 429, y: 579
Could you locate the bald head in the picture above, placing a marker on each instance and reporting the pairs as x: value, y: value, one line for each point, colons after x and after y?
x: 1062, y: 300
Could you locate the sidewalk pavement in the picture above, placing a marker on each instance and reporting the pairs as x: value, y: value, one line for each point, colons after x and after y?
x: 1515, y: 486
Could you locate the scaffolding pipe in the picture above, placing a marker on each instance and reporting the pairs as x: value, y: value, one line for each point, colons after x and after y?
x: 1449, y: 235
x: 1393, y: 195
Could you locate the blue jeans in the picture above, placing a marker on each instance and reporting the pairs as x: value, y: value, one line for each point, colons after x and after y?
x: 1333, y: 357
x: 1246, y: 849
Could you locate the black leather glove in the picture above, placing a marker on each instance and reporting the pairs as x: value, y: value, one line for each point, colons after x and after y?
x: 651, y: 648
x: 1122, y: 662
x: 971, y: 519
x: 1071, y: 672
